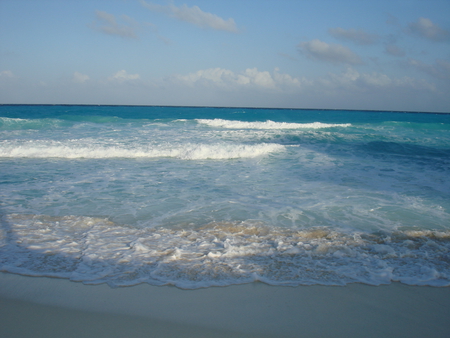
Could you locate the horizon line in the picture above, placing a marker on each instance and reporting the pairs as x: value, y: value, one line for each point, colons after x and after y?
x: 217, y: 107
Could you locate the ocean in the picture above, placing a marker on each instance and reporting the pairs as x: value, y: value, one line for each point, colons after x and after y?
x: 199, y: 196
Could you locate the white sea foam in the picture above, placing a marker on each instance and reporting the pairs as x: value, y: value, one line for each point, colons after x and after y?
x: 267, y: 124
x: 95, y: 250
x: 189, y: 151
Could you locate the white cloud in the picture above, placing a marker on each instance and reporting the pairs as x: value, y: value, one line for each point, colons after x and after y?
x: 123, y: 76
x: 250, y: 78
x: 195, y: 16
x: 79, y: 77
x: 334, y: 53
x: 212, y: 76
x: 107, y: 23
x: 357, y: 36
x: 425, y: 28
x: 285, y: 80
x: 260, y: 79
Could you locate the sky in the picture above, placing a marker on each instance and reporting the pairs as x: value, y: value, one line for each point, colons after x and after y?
x: 321, y: 54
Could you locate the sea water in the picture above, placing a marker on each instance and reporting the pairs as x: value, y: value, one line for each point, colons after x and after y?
x: 197, y: 197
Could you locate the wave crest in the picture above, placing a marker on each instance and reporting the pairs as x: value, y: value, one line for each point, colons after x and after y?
x: 267, y: 124
x: 189, y: 151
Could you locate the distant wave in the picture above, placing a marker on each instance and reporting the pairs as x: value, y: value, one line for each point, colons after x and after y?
x: 187, y: 151
x: 267, y: 124
x: 418, y: 125
x: 8, y: 123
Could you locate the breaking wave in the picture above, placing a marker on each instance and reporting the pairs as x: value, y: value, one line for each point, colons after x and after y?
x: 96, y: 250
x: 267, y: 124
x: 189, y: 151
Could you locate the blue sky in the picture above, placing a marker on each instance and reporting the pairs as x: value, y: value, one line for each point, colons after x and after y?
x: 347, y: 54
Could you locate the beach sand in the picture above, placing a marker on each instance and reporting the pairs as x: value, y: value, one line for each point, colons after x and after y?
x: 49, y: 307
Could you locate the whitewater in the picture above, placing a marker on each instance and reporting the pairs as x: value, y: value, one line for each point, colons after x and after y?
x: 200, y: 196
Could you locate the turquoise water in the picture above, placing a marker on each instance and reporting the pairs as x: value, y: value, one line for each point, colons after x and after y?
x: 197, y: 197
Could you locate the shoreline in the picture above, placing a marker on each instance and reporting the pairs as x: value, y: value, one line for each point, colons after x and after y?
x: 41, y: 306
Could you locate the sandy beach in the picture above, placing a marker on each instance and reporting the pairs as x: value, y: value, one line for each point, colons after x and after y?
x: 48, y: 307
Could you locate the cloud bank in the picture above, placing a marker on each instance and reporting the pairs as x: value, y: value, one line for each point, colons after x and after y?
x: 227, y: 79
x: 349, y: 89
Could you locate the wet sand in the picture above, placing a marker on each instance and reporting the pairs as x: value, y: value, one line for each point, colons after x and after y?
x: 49, y: 307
